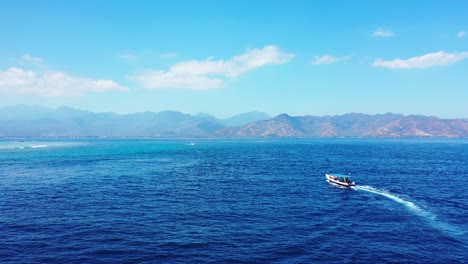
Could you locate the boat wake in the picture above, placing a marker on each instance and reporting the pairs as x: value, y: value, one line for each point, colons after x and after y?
x: 412, y: 207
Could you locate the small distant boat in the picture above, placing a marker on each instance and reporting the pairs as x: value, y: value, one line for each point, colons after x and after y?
x: 340, y: 179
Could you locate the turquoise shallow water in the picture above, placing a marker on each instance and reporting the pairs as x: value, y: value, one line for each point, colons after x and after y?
x: 233, y: 201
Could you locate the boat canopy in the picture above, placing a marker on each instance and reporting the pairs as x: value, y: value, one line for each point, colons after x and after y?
x: 339, y: 175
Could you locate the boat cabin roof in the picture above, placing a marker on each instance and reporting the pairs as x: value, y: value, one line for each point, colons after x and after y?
x: 339, y: 175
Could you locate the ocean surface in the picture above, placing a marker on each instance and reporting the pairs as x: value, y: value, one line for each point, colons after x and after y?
x: 233, y: 201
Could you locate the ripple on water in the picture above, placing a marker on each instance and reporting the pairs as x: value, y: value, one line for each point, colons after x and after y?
x: 131, y: 201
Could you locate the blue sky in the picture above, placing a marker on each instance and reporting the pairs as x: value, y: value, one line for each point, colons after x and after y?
x: 229, y: 57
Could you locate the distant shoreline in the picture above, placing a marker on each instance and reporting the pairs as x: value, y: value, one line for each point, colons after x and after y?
x: 19, y: 139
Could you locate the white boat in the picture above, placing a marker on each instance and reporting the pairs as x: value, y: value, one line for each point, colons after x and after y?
x: 340, y: 179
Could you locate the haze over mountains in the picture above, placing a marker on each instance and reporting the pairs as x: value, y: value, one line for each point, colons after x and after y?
x: 34, y: 121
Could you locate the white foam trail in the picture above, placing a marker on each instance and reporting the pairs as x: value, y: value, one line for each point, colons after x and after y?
x: 410, y: 205
x: 39, y: 146
x: 21, y: 145
x: 429, y: 217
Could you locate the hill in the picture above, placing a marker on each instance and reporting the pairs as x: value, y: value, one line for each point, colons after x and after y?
x: 351, y: 125
x: 68, y: 122
x: 33, y: 121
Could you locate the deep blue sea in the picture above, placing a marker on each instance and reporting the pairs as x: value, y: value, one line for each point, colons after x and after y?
x: 233, y: 201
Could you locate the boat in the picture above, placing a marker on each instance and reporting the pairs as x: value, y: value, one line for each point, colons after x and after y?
x: 340, y: 179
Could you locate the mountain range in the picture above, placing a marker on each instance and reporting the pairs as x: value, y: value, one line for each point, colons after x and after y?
x: 35, y: 121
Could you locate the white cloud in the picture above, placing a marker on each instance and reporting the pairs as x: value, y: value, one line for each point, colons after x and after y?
x: 169, y: 55
x: 209, y: 73
x: 31, y: 60
x: 461, y: 34
x: 325, y: 59
x: 440, y: 58
x: 51, y: 83
x: 380, y: 32
x: 162, y: 79
x: 128, y: 56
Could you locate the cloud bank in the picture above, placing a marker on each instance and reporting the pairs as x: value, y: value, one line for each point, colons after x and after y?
x: 209, y: 73
x: 18, y: 81
x: 440, y: 58
x: 383, y: 33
